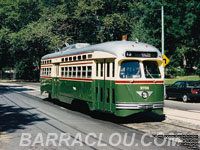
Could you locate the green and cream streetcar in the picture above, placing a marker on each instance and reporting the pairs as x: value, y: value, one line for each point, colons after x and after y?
x: 120, y: 77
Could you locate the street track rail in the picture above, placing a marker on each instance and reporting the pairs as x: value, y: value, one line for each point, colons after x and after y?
x: 181, y: 126
x: 70, y: 126
x: 62, y: 131
x: 185, y: 117
x: 171, y: 124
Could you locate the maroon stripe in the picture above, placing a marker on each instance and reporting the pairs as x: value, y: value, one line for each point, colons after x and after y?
x: 75, y: 79
x: 122, y: 81
x: 139, y: 82
x: 45, y: 77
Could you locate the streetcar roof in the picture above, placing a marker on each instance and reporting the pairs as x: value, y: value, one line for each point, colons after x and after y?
x: 117, y: 48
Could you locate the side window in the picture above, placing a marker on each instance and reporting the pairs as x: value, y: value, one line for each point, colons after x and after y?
x: 70, y: 71
x: 89, y: 71
x: 66, y: 71
x: 62, y: 71
x: 89, y: 56
x: 74, y: 72
x: 84, y: 57
x: 74, y: 58
x: 182, y: 85
x: 78, y: 71
x: 49, y: 71
x: 178, y: 84
x: 83, y: 71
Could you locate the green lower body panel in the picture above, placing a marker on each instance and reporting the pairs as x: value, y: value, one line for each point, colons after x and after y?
x: 45, y: 85
x: 103, y: 95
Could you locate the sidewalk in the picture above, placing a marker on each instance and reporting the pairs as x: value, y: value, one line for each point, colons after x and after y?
x: 186, y: 116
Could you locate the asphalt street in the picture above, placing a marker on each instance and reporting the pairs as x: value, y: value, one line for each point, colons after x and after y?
x: 192, y: 105
x: 27, y: 122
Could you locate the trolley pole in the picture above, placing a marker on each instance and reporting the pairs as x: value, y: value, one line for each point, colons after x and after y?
x: 162, y: 18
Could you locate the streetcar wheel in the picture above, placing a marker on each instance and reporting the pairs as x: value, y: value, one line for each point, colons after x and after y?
x: 185, y: 98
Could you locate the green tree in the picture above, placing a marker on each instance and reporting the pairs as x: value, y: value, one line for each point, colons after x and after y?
x: 31, y: 29
x: 29, y: 45
x: 182, y: 34
x: 5, y: 58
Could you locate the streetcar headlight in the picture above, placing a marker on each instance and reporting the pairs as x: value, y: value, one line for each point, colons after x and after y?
x: 145, y: 95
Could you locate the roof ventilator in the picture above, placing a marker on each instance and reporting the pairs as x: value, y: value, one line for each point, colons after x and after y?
x: 75, y: 46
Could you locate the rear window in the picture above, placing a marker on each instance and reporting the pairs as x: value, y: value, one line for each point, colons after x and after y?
x: 193, y: 84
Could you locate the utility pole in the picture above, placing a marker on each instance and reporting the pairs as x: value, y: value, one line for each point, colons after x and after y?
x: 162, y: 40
x: 162, y: 18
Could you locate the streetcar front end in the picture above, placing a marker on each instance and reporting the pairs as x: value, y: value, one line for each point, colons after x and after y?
x: 140, y: 83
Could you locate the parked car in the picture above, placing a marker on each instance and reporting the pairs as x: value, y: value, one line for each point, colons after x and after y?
x: 185, y: 90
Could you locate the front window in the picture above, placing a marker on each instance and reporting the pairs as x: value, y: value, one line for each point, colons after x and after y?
x: 130, y: 69
x: 151, y: 69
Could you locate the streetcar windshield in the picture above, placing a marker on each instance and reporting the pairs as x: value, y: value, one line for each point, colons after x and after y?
x: 151, y: 69
x: 130, y: 69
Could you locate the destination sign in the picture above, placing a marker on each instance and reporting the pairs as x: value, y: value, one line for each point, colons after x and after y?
x: 141, y: 54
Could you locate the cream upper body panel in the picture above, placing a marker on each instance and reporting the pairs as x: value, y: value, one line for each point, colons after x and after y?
x: 116, y: 48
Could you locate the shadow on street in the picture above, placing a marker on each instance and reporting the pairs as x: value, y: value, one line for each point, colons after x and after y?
x: 135, y: 118
x: 13, y: 118
x: 3, y: 89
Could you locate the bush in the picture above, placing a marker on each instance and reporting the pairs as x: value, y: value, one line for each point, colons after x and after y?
x: 172, y: 72
x: 198, y: 70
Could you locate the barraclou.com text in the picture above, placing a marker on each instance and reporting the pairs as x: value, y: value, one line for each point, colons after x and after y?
x: 91, y: 139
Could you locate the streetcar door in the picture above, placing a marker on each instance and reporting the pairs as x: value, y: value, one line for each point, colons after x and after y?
x: 105, y: 85
x: 55, y: 81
